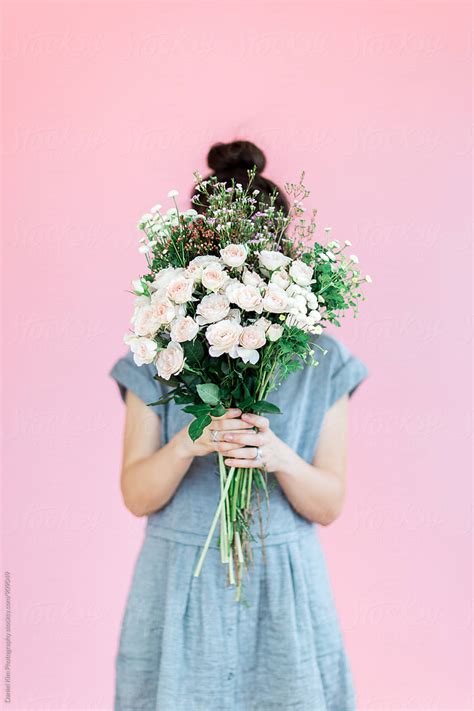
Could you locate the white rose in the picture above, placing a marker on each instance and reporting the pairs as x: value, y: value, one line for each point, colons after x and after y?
x: 143, y: 349
x: 312, y: 300
x: 223, y: 337
x: 139, y: 302
x: 147, y: 321
x: 212, y: 308
x: 231, y: 287
x: 275, y: 300
x: 248, y: 355
x: 180, y: 290
x: 248, y: 298
x: 183, y: 329
x: 165, y: 311
x: 280, y: 278
x: 301, y: 273
x: 272, y: 260
x: 170, y: 361
x: 274, y: 332
x: 252, y: 337
x: 197, y: 264
x: 315, y: 316
x: 252, y: 278
x: 164, y: 276
x: 294, y: 289
x: 234, y: 255
x: 300, y: 302
x: 263, y: 322
x: 214, y: 277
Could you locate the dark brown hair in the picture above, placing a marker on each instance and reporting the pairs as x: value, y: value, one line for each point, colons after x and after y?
x: 233, y: 160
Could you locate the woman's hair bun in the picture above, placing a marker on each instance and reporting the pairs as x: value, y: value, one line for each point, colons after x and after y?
x: 237, y: 154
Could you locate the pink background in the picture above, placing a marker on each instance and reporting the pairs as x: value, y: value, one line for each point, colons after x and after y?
x: 108, y: 106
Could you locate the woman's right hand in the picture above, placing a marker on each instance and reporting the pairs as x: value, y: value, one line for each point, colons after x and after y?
x: 210, y: 440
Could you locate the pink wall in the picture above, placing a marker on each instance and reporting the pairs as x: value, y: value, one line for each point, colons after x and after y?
x: 108, y: 106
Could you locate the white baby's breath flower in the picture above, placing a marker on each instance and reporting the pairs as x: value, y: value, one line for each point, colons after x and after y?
x: 348, y: 243
x: 156, y: 208
x: 354, y: 259
x: 143, y: 249
x: 173, y: 193
x: 324, y: 257
x: 368, y: 278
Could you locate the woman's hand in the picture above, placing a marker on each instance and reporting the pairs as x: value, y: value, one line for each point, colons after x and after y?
x: 259, y: 448
x: 212, y: 439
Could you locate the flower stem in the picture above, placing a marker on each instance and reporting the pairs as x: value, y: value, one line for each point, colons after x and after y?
x: 214, y: 522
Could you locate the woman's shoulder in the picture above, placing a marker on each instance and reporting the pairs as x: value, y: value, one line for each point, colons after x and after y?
x: 339, y: 366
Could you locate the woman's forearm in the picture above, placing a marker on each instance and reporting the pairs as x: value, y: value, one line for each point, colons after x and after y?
x: 315, y: 493
x: 149, y: 483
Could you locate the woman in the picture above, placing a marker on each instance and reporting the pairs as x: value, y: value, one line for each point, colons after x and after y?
x: 185, y: 644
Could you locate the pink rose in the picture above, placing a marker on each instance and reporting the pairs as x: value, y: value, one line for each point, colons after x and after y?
x: 183, y: 329
x: 212, y: 307
x: 223, y: 337
x: 214, y: 277
x: 146, y: 321
x: 272, y: 260
x: 274, y: 332
x: 165, y: 311
x: 275, y: 300
x: 280, y: 278
x: 248, y: 298
x: 250, y: 277
x: 180, y: 290
x: 301, y: 273
x: 143, y: 349
x: 234, y: 255
x: 252, y: 337
x: 197, y: 264
x: 170, y: 361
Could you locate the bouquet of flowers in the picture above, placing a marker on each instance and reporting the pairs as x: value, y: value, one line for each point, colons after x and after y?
x: 232, y: 303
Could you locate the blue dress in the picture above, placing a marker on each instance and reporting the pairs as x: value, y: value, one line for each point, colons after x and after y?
x: 185, y: 644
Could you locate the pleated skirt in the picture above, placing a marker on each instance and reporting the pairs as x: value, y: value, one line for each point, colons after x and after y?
x: 187, y: 645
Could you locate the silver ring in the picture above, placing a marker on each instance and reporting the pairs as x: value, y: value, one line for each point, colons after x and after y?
x: 259, y: 453
x: 214, y: 435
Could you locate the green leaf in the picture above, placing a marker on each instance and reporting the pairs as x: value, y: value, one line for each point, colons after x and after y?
x: 208, y: 392
x: 201, y: 409
x: 264, y: 406
x: 197, y: 426
x: 218, y: 411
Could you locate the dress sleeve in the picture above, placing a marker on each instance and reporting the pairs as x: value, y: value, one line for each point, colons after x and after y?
x: 139, y: 379
x: 347, y: 373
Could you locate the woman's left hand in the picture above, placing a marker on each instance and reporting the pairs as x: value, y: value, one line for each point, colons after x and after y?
x: 260, y: 449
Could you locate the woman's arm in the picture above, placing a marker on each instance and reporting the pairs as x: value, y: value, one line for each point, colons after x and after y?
x: 315, y: 490
x: 150, y: 473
